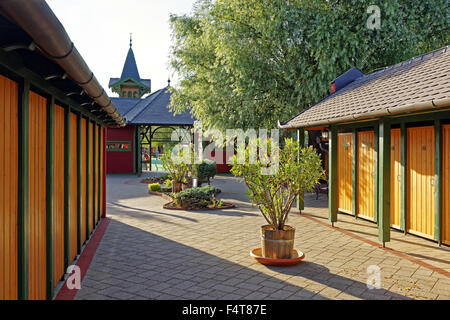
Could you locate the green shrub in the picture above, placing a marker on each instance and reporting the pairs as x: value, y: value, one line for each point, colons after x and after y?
x: 195, y: 197
x: 154, y: 187
x: 168, y: 183
x: 179, y: 172
x: 204, y: 171
x: 164, y: 177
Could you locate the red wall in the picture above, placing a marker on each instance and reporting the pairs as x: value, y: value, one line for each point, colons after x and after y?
x: 120, y: 161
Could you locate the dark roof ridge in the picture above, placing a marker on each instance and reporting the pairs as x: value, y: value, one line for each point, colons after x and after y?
x: 141, y: 105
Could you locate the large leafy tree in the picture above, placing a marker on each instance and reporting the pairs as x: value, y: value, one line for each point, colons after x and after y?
x: 249, y: 63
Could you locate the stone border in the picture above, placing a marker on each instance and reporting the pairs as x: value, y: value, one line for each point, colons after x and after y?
x: 225, y: 206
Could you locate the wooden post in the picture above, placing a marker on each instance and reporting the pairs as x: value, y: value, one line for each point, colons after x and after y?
x: 438, y: 181
x: 50, y: 161
x: 94, y: 173
x: 139, y: 152
x: 88, y: 137
x: 67, y: 178
x: 23, y: 190
x: 104, y: 173
x: 99, y: 174
x: 301, y: 196
x: 376, y: 174
x: 332, y: 183
x: 403, y: 177
x: 354, y: 174
x: 79, y: 188
x: 384, y: 181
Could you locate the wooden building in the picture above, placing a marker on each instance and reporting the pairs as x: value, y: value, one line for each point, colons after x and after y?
x: 53, y: 115
x: 389, y: 145
x: 129, y: 148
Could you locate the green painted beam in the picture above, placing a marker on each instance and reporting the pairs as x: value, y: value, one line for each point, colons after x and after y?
x: 23, y: 190
x: 354, y: 173
x: 301, y: 196
x: 403, y: 176
x: 94, y: 172
x: 134, y: 150
x: 79, y: 187
x: 332, y: 175
x: 384, y: 172
x: 438, y: 181
x: 376, y: 174
x: 139, y: 155
x: 87, y: 177
x: 99, y: 174
x: 67, y: 177
x: 49, y: 195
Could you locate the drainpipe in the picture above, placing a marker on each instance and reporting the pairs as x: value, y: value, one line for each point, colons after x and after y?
x: 37, y: 19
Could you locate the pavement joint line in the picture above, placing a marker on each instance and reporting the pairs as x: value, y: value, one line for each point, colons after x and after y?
x: 377, y: 245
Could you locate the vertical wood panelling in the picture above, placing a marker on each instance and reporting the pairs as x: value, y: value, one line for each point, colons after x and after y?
x: 91, y: 182
x: 8, y: 188
x: 103, y: 201
x: 420, y: 181
x: 83, y: 180
x: 395, y: 179
x: 344, y: 176
x: 58, y: 196
x: 73, y: 186
x: 446, y: 184
x: 365, y: 174
x: 37, y: 197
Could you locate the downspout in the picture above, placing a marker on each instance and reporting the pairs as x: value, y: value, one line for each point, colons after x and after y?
x: 37, y: 19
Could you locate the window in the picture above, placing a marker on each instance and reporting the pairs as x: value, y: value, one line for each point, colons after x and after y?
x: 118, y: 146
x: 129, y: 94
x: 135, y: 94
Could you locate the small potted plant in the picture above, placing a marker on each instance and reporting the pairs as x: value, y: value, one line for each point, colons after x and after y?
x: 274, y: 194
x: 179, y: 171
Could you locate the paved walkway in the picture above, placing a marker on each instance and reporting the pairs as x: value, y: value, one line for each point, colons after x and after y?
x: 151, y: 253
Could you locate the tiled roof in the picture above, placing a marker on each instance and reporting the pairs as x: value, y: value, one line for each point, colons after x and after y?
x: 423, y: 81
x: 154, y: 110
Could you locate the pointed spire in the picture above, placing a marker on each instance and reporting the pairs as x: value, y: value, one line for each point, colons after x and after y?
x: 168, y: 82
x: 131, y: 40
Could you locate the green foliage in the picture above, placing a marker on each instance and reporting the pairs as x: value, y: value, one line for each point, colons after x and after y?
x: 195, y: 197
x: 168, y: 183
x: 248, y: 63
x: 156, y: 187
x: 164, y: 177
x: 204, y: 171
x: 178, y: 171
x: 299, y: 169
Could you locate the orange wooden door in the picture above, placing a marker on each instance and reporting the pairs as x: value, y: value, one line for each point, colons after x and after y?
x: 58, y: 195
x: 73, y: 205
x: 345, y: 159
x: 365, y: 174
x: 446, y: 184
x: 8, y: 187
x: 420, y: 181
x: 395, y: 178
x: 83, y: 180
x: 37, y: 197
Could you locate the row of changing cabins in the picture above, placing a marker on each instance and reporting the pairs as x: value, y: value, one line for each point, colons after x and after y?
x: 389, y: 145
x: 53, y: 119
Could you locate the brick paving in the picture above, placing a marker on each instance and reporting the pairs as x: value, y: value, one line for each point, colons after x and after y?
x: 151, y: 253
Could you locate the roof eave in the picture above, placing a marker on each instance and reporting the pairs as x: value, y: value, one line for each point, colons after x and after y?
x: 421, y: 106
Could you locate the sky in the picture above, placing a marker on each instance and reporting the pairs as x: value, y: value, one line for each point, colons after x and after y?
x: 100, y: 29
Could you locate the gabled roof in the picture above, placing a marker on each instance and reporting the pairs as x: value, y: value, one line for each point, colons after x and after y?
x: 130, y: 70
x: 152, y: 110
x: 420, y: 83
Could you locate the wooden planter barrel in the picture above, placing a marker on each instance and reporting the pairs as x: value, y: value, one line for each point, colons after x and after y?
x: 277, y: 244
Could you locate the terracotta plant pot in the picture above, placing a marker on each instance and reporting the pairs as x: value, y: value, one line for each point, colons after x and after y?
x: 277, y: 244
x: 176, y: 187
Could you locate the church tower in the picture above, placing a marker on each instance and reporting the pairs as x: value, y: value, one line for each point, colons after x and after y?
x: 130, y: 84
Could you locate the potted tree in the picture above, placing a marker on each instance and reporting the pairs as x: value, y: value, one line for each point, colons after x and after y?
x: 274, y: 194
x: 178, y: 170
